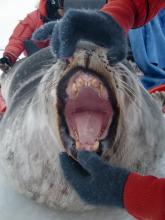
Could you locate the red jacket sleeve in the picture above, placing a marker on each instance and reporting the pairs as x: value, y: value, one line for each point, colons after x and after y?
x: 22, y: 32
x: 144, y: 197
x: 133, y: 13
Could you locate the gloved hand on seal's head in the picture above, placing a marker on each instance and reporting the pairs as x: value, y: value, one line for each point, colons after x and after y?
x: 94, y: 26
x: 95, y: 181
x: 5, y: 63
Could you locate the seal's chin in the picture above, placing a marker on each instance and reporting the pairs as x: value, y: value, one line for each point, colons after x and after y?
x: 88, y: 112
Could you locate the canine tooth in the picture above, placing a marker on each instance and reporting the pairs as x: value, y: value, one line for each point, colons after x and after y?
x: 94, y: 82
x: 74, y: 88
x: 78, y: 145
x: 100, y: 90
x: 96, y: 145
x: 80, y: 81
x: 75, y: 135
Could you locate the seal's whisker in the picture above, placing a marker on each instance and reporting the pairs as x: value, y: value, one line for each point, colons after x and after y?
x: 127, y: 87
x: 127, y: 90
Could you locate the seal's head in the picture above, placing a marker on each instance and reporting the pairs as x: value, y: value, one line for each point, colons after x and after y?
x: 101, y: 107
x: 87, y: 106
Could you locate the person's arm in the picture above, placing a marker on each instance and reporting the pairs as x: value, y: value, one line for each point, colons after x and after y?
x: 22, y: 32
x: 133, y: 13
x: 106, y: 27
x: 144, y: 197
x: 98, y: 183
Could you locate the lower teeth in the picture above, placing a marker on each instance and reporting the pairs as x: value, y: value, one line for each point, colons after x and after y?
x: 93, y: 147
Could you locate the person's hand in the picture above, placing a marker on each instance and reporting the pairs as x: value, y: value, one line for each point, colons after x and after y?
x: 95, y: 181
x: 94, y: 26
x: 5, y: 63
x: 44, y: 32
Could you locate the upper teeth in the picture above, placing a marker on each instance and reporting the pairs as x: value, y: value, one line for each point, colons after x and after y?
x: 80, y: 82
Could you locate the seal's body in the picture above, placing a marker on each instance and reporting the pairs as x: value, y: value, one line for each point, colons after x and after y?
x: 46, y: 114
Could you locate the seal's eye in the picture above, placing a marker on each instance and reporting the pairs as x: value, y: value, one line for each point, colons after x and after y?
x: 87, y: 110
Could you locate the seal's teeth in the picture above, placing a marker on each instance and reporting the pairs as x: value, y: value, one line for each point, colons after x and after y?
x: 94, y: 83
x: 100, y: 90
x: 96, y: 146
x: 78, y: 145
x: 74, y: 88
x: 80, y: 82
x: 75, y: 134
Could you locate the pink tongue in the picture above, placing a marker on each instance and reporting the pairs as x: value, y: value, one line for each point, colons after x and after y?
x: 88, y: 125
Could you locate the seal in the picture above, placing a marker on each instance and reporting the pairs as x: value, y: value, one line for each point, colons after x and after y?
x: 78, y: 104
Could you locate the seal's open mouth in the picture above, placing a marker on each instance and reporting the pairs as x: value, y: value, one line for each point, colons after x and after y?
x: 87, y: 109
x: 88, y: 112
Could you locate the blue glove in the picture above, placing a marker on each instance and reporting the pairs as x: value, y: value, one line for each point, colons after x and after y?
x: 44, y: 32
x: 94, y: 26
x: 95, y: 181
